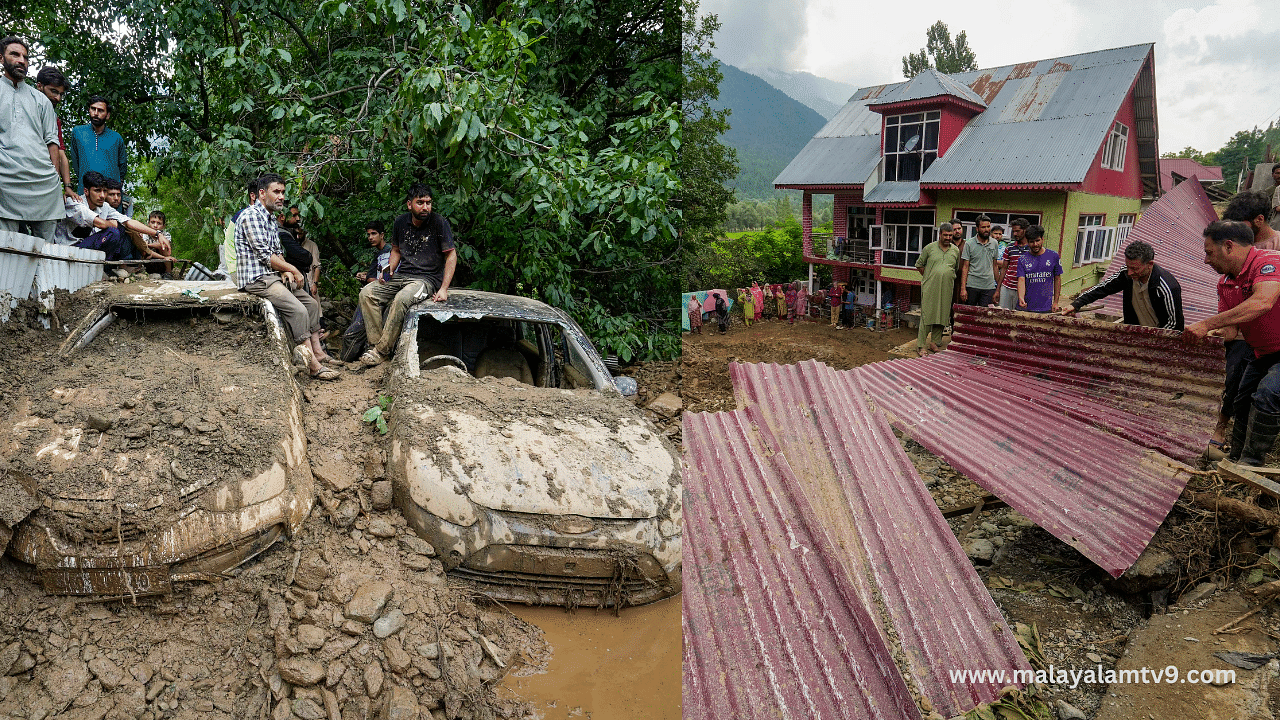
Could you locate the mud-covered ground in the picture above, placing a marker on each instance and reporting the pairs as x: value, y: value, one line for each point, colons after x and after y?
x: 1083, y: 618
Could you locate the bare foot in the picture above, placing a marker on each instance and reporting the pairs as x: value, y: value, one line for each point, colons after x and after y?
x: 933, y: 347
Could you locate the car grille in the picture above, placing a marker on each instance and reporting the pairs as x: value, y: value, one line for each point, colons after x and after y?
x: 565, y: 576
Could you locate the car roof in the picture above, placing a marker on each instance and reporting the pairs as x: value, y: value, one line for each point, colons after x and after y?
x: 478, y: 303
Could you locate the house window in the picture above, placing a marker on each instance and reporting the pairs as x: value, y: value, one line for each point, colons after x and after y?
x: 999, y: 218
x: 902, y: 236
x: 1094, y: 243
x: 1117, y: 143
x: 863, y: 283
x: 910, y: 145
x: 1124, y: 224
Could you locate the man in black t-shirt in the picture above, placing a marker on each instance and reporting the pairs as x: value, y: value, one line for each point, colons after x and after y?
x: 422, y: 263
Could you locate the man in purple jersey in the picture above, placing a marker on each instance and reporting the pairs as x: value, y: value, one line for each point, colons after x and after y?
x: 1039, y: 275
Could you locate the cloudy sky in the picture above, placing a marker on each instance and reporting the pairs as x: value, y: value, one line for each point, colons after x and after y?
x: 1216, y: 71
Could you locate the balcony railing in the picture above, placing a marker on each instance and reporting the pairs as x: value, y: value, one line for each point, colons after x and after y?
x: 832, y: 247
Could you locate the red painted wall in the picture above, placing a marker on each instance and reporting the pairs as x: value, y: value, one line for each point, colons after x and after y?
x: 953, y: 121
x: 1103, y: 181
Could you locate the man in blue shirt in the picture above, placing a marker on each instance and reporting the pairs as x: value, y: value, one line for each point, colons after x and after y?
x: 96, y: 146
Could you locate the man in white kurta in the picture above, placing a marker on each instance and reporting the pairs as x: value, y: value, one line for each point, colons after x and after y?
x: 30, y: 189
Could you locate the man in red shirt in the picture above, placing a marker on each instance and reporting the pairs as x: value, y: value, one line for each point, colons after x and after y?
x: 1249, y: 291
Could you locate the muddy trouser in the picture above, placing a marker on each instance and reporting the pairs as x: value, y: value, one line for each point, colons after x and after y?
x: 1238, y: 356
x: 400, y: 293
x: 299, y: 312
x: 922, y: 340
x: 115, y: 242
x: 835, y: 314
x: 43, y: 229
x: 353, y: 339
x: 1008, y: 298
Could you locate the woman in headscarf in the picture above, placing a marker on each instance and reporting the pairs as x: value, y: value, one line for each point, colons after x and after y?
x: 757, y: 295
x: 722, y: 313
x: 695, y: 314
x: 748, y: 306
x: 792, y: 297
x: 780, y: 299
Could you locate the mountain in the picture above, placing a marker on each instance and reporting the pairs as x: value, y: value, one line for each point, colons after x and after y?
x: 767, y: 128
x: 823, y: 95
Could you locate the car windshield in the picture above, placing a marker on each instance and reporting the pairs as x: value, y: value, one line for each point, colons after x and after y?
x: 533, y: 353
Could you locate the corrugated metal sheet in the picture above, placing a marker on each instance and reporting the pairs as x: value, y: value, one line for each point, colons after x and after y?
x: 1174, y: 225
x: 16, y: 271
x: 772, y: 625
x: 851, y: 487
x: 930, y: 84
x: 893, y: 192
x: 1187, y: 168
x: 1037, y: 425
x: 1044, y: 123
x: 833, y: 160
x: 69, y: 276
x: 1107, y: 375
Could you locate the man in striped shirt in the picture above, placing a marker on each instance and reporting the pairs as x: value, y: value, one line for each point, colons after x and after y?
x: 262, y: 270
x: 1007, y: 268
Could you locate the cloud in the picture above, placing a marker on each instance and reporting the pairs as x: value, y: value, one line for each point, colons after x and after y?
x: 760, y: 33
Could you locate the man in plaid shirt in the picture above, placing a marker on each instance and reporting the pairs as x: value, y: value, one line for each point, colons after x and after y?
x: 261, y: 270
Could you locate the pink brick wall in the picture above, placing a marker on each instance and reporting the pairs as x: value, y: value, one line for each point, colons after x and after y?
x: 806, y: 222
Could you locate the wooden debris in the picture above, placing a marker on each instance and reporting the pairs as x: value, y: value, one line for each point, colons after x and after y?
x: 1249, y: 476
x: 1236, y: 508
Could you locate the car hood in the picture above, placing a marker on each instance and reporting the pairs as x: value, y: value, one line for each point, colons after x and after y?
x: 507, y: 446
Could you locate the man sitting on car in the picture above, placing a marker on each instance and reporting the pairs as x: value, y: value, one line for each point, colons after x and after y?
x: 423, y: 259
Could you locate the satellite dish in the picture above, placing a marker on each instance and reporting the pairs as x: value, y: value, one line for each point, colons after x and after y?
x: 911, y: 143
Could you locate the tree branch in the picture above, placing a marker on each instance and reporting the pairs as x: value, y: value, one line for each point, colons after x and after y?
x: 311, y: 52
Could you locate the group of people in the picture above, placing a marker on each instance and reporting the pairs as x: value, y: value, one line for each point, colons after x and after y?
x: 418, y: 263
x: 757, y: 303
x: 67, y: 187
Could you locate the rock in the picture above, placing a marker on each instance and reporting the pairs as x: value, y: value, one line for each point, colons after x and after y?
x: 430, y: 651
x: 397, y: 659
x: 107, y: 672
x: 101, y: 423
x: 351, y: 627
x: 347, y: 513
x: 400, y: 704
x: 390, y: 624
x: 1067, y: 711
x: 979, y: 550
x: 301, y: 671
x: 9, y: 656
x: 373, y: 679
x: 1193, y: 596
x: 311, y: 637
x: 337, y: 647
x: 381, y: 528
x: 415, y: 544
x: 331, y: 706
x: 1093, y: 657
x: 667, y: 405
x: 334, y: 474
x: 367, y: 602
x: 309, y: 709
x: 417, y: 562
x: 66, y: 677
x: 1154, y: 569
x: 334, y: 675
x: 312, y: 572
x: 382, y: 495
x: 374, y: 464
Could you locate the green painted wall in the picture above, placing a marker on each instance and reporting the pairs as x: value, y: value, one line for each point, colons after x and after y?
x: 1076, y: 280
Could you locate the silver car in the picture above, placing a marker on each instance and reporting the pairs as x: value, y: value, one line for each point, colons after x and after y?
x: 516, y: 455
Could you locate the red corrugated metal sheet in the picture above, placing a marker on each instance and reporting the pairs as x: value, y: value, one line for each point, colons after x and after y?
x: 1174, y: 225
x: 1143, y: 384
x: 772, y: 625
x: 1186, y: 168
x: 1060, y: 419
x: 830, y: 451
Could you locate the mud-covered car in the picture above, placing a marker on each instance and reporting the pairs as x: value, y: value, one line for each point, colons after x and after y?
x: 164, y: 441
x: 515, y: 454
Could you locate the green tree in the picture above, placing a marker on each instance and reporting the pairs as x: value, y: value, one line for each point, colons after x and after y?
x: 941, y: 53
x: 1188, y: 153
x: 706, y: 163
x: 1245, y: 149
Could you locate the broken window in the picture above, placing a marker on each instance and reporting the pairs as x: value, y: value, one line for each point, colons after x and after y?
x: 910, y: 145
x: 1117, y: 144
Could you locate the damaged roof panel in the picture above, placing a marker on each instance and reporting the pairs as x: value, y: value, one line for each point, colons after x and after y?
x: 1174, y: 225
x: 772, y: 627
x: 899, y: 553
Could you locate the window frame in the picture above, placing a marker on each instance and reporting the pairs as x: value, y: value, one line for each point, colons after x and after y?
x: 924, y: 155
x: 1095, y: 241
x: 896, y: 238
x: 1116, y: 147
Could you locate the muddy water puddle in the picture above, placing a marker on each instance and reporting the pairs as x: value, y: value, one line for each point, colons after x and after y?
x: 605, y: 667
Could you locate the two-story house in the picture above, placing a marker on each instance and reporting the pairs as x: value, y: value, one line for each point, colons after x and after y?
x: 1067, y: 143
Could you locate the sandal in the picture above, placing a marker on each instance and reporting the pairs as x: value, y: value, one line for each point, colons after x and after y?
x: 325, y: 373
x: 1217, y: 450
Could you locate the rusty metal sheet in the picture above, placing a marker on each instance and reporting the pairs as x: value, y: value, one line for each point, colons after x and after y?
x: 772, y: 625
x: 1174, y: 225
x: 1143, y: 384
x: 832, y: 452
x: 1040, y: 416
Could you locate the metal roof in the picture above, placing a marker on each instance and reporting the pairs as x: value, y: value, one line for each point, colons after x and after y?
x: 772, y: 625
x: 833, y: 161
x: 930, y: 84
x: 1187, y: 168
x: 1045, y: 122
x: 1076, y: 408
x: 809, y: 457
x: 893, y: 192
x: 1174, y: 225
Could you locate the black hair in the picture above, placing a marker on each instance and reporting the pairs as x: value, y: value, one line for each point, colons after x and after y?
x: 1140, y: 250
x: 1033, y: 232
x: 266, y: 179
x: 981, y: 218
x: 1019, y: 222
x: 112, y: 184
x: 11, y: 39
x: 1247, y: 205
x: 94, y: 179
x: 94, y: 100
x: 418, y: 190
x: 1223, y: 230
x: 252, y: 187
x: 376, y: 226
x: 51, y: 76
x: 158, y: 214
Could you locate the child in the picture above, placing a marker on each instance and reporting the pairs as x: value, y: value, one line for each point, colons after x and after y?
x: 161, y: 243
